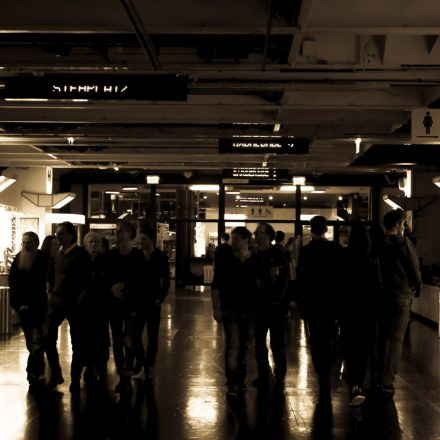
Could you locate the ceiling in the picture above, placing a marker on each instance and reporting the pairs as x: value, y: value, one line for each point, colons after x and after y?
x: 327, y: 71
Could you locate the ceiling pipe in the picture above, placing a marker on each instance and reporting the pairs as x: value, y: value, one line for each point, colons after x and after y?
x: 266, y: 38
x: 142, y: 34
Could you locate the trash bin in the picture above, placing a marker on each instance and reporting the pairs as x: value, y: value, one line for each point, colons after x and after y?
x: 5, y: 312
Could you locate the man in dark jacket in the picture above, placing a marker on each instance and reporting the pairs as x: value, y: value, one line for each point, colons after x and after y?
x: 69, y: 278
x: 401, y: 279
x: 155, y: 285
x: 318, y: 278
x: 272, y: 302
x: 27, y: 284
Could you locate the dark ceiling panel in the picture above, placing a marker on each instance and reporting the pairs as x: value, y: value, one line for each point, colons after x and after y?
x: 399, y: 155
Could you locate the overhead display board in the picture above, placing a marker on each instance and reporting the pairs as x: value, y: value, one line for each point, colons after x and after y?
x: 155, y: 87
x: 256, y: 173
x: 264, y: 145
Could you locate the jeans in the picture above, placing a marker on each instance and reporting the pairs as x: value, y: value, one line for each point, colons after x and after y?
x: 239, y: 329
x: 32, y: 329
x: 393, y: 320
x: 151, y: 318
x: 274, y: 321
x: 322, y: 339
x: 55, y: 316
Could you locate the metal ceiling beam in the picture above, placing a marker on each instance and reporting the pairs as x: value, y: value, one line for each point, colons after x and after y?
x: 142, y: 34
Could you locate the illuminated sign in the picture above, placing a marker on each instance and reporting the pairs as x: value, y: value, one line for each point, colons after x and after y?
x: 256, y: 173
x: 155, y: 87
x: 264, y: 145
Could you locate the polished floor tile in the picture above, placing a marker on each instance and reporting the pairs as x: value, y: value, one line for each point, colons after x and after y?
x: 187, y: 398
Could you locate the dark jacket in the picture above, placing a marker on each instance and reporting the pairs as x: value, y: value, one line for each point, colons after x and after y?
x: 70, y: 275
x: 399, y: 266
x: 127, y: 269
x: 28, y: 287
x: 236, y: 281
x: 273, y: 278
x: 155, y: 278
x: 319, y: 274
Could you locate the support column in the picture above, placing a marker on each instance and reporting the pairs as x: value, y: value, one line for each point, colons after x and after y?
x: 221, y: 212
x: 298, y: 225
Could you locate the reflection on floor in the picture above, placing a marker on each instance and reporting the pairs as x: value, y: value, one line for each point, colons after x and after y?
x: 187, y: 398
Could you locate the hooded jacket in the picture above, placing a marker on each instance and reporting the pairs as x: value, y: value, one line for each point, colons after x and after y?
x: 399, y: 266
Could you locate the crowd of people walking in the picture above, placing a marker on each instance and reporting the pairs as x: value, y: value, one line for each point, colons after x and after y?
x: 93, y: 289
x: 362, y: 292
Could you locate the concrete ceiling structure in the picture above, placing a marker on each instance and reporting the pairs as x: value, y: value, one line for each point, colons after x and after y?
x: 327, y: 71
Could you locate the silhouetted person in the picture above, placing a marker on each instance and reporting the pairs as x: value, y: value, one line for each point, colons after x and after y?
x: 96, y: 311
x: 361, y: 289
x: 27, y: 284
x: 50, y: 246
x: 272, y: 302
x: 224, y: 246
x: 125, y: 271
x: 69, y: 278
x: 155, y: 285
x: 318, y: 278
x: 234, y: 304
x: 401, y: 279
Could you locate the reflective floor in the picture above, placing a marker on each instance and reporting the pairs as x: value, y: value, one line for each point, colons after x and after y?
x: 187, y: 398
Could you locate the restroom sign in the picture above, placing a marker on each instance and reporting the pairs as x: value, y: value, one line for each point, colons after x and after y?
x: 425, y: 125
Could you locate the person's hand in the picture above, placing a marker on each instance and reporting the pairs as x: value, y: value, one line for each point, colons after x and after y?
x: 218, y: 315
x: 117, y: 290
x: 417, y: 291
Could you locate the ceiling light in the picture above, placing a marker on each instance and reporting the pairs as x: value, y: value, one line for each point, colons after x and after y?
x: 116, y: 168
x: 276, y: 127
x: 70, y: 140
x: 305, y: 198
x: 56, y: 217
x: 232, y: 192
x: 130, y: 188
x: 391, y: 201
x: 205, y: 197
x: 207, y: 188
x: 291, y: 188
x: 54, y: 201
x: 340, y: 198
x: 153, y: 180
x: 64, y: 201
x: 318, y: 191
x: 112, y: 192
x: 358, y: 142
x: 5, y: 182
x: 436, y: 181
x: 299, y: 180
x: 270, y: 197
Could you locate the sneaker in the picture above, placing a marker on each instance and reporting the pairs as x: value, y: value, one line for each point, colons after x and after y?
x: 139, y: 375
x: 55, y: 380
x: 232, y: 392
x: 357, y: 396
x: 75, y: 387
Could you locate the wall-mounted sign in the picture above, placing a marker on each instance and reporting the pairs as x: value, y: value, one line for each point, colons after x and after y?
x: 425, y: 125
x: 264, y: 145
x: 255, y: 174
x: 156, y: 87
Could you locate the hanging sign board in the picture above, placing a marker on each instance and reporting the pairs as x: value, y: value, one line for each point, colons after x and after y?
x: 264, y: 145
x: 425, y: 125
x: 256, y: 173
x: 155, y: 87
